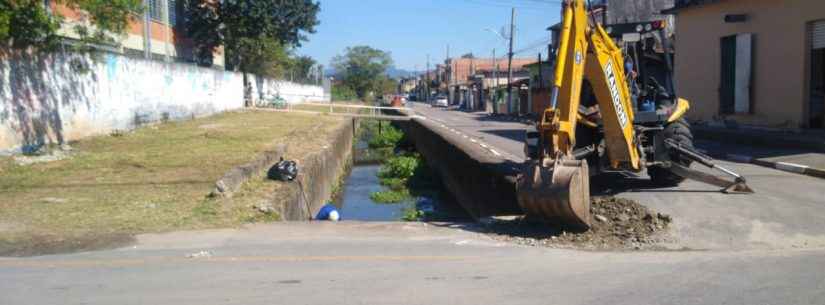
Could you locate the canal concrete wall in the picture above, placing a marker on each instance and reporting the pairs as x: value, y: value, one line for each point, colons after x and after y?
x: 319, y: 173
x: 483, y: 184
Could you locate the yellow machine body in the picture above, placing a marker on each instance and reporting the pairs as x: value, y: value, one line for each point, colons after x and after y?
x: 556, y: 187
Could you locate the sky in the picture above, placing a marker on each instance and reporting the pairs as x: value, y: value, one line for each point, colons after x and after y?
x: 410, y: 30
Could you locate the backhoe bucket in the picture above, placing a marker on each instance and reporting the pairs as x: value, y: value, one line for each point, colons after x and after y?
x: 558, y: 194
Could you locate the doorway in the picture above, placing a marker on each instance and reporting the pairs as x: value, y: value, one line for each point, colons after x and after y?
x: 735, y: 81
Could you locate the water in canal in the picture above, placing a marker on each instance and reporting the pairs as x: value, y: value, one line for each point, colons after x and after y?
x: 355, y: 200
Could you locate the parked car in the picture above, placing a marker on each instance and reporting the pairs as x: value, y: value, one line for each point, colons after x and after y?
x: 440, y: 101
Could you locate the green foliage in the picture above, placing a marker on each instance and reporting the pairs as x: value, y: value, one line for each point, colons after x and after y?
x: 389, y: 136
x: 400, y: 167
x: 390, y: 196
x: 250, y: 29
x: 412, y: 214
x: 264, y: 56
x: 27, y: 23
x: 110, y: 19
x: 301, y: 68
x: 387, y: 86
x: 363, y: 68
x: 343, y: 93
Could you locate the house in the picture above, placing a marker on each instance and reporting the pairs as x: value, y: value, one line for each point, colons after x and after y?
x: 753, y: 62
x: 157, y: 33
x: 408, y: 84
x: 627, y: 11
x: 540, y: 84
x: 466, y: 76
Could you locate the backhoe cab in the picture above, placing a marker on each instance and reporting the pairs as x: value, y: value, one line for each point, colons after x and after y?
x: 612, y: 108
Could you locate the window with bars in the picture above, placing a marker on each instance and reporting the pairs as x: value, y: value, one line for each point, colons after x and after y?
x: 156, y: 9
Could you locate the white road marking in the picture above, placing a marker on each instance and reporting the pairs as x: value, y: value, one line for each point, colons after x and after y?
x: 791, y: 167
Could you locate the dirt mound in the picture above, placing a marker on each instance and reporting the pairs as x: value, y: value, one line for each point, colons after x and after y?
x: 618, y: 224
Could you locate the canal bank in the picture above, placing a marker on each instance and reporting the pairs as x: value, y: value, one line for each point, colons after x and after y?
x: 483, y: 183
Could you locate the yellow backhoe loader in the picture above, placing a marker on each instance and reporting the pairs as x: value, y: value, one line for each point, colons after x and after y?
x: 599, y: 120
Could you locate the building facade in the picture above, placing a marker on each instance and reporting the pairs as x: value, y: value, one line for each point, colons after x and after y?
x: 157, y: 33
x: 753, y: 62
x: 467, y: 79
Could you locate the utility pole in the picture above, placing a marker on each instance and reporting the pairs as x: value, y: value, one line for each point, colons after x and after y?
x: 147, y: 36
x: 510, y: 61
x: 428, y: 78
x: 167, y: 25
x: 495, y: 86
x: 450, y: 75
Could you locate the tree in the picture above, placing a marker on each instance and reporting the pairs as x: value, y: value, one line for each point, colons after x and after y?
x: 302, y: 68
x: 250, y: 30
x: 362, y: 68
x: 388, y: 86
x: 28, y: 23
x: 264, y: 56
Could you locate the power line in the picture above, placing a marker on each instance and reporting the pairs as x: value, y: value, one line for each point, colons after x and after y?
x: 510, y: 4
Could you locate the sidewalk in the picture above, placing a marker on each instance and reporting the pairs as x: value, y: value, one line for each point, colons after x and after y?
x: 797, y: 152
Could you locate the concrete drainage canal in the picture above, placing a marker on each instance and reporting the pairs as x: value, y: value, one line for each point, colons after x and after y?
x: 390, y: 181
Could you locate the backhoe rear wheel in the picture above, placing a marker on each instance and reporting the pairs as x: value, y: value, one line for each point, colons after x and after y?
x: 678, y: 131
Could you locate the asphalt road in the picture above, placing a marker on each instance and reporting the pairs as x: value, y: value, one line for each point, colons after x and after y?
x: 765, y: 248
x: 786, y: 212
x: 401, y: 263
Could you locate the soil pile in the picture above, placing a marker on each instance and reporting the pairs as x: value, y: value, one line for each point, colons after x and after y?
x: 618, y: 224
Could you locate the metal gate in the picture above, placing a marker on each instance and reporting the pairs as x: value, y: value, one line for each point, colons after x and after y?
x: 818, y: 34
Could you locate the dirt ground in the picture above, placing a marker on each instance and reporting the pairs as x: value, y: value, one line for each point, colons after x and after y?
x: 618, y: 224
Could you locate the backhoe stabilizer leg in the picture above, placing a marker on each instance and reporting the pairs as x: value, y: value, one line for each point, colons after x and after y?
x: 737, y: 186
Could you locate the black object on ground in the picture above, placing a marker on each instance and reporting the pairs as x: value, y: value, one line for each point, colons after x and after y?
x: 284, y: 170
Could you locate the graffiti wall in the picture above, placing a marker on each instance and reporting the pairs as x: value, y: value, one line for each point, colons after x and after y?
x: 53, y: 99
x: 263, y: 89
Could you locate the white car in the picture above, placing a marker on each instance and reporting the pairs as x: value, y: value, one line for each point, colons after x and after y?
x: 440, y: 101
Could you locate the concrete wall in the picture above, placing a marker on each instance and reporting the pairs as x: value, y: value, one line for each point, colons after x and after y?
x: 319, y: 172
x: 263, y: 88
x: 53, y: 99
x: 483, y: 184
x: 780, y: 58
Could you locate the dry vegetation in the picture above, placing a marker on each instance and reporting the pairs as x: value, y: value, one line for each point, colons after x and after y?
x: 151, y: 180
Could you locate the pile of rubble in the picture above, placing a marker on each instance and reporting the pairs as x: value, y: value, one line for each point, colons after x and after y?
x: 618, y: 224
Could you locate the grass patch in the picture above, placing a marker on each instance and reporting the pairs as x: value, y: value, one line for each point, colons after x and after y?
x: 391, y: 196
x: 154, y: 179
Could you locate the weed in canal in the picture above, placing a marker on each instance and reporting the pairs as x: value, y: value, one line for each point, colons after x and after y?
x: 390, y: 196
x: 405, y: 177
x: 382, y: 135
x: 413, y: 214
x: 388, y: 136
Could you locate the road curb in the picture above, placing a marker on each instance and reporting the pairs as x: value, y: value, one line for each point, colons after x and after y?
x: 782, y: 166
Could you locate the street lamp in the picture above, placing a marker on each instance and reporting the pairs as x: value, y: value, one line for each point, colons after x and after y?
x: 495, y: 71
x: 500, y: 35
